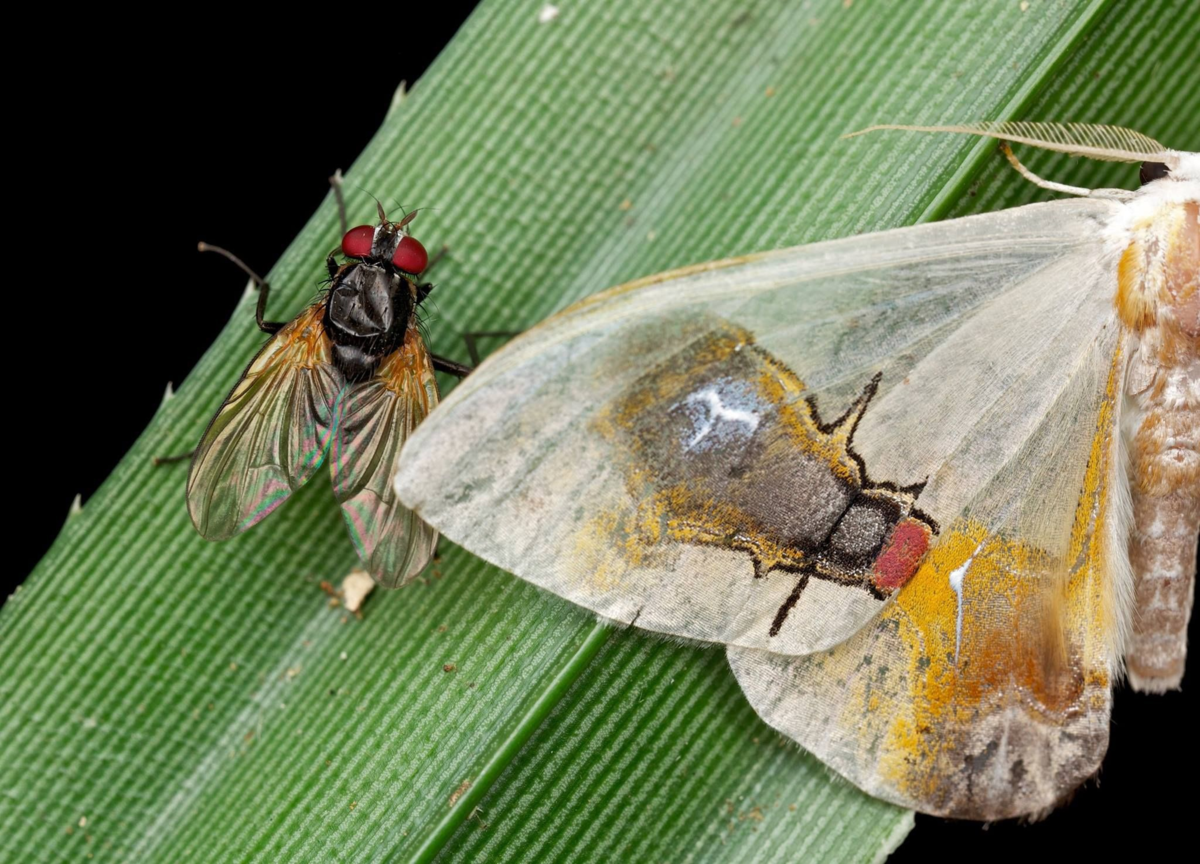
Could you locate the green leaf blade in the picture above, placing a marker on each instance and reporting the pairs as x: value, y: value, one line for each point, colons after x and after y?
x: 162, y: 698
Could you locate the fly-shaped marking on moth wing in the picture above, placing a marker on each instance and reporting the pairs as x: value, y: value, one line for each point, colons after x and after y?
x: 725, y: 448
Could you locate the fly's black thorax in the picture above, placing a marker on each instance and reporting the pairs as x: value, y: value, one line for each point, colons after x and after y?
x: 366, y: 315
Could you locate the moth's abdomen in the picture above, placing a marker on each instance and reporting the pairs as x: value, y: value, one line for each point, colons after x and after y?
x: 1159, y: 300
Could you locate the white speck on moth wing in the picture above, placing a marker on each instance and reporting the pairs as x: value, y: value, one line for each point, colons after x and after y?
x: 956, y: 585
x: 726, y: 412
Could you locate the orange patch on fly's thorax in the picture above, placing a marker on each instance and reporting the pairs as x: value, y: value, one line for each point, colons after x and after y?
x: 304, y: 339
x: 408, y: 371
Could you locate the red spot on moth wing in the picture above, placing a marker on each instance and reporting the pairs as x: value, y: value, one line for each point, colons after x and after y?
x: 901, y: 555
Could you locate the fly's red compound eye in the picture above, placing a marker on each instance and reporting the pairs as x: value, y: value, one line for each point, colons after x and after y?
x: 357, y: 242
x: 410, y: 256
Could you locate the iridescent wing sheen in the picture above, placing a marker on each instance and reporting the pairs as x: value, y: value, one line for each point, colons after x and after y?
x: 375, y: 418
x: 271, y: 433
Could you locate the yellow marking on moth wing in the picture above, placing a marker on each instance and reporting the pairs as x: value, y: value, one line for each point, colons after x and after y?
x: 784, y: 390
x: 1094, y: 598
x: 1037, y: 632
x: 695, y: 518
x: 595, y: 553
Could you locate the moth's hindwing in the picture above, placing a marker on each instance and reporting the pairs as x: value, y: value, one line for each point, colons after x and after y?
x: 983, y: 691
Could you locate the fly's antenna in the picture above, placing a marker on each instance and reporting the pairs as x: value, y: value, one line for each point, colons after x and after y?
x: 378, y: 204
x: 408, y: 217
x: 1108, y: 143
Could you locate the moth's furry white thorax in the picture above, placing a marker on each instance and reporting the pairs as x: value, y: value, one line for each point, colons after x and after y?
x: 1176, y: 188
x: 1186, y: 167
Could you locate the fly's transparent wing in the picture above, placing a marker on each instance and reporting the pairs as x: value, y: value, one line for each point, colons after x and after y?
x: 760, y: 451
x: 375, y: 418
x: 271, y: 433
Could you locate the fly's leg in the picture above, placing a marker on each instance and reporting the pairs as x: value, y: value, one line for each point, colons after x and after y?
x: 450, y: 367
x: 442, y: 364
x: 261, y: 284
x: 169, y: 460
x: 473, y: 345
x: 266, y: 326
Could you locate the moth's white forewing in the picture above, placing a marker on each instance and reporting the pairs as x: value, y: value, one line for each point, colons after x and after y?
x: 975, y: 324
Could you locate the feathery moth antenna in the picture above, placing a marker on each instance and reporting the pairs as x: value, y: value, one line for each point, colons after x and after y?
x: 1108, y: 143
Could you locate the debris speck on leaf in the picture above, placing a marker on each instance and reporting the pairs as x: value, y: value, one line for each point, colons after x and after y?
x: 355, y: 588
x: 458, y: 793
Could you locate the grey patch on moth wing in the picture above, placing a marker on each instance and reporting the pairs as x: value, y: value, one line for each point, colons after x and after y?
x: 725, y: 434
x: 1000, y: 760
x: 1013, y: 764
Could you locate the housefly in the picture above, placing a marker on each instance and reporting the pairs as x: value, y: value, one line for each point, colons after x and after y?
x: 346, y: 380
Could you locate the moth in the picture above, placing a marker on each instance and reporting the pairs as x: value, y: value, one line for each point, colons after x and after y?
x: 350, y: 377
x: 936, y: 488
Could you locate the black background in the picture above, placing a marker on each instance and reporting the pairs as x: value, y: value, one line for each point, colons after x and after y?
x: 169, y: 150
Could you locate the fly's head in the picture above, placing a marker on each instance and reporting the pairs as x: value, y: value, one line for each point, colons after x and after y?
x: 387, y: 253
